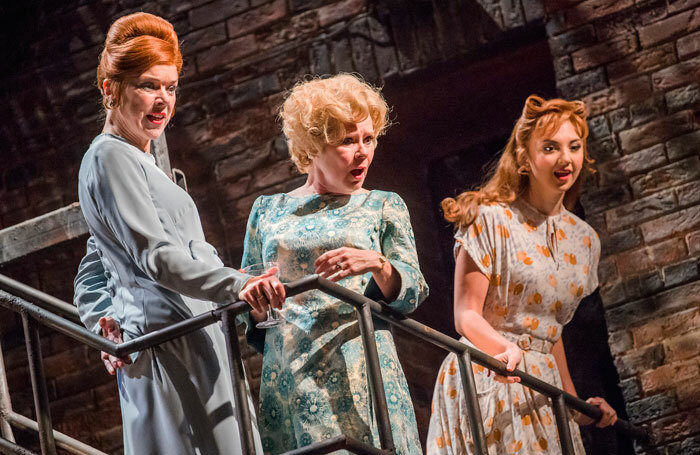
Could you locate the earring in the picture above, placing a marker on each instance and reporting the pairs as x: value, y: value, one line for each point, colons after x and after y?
x: 110, y: 102
x: 524, y: 169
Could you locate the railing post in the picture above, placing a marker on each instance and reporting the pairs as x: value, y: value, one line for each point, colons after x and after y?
x: 562, y: 419
x: 41, y: 396
x: 5, y: 403
x: 240, y: 393
x: 374, y: 373
x: 476, y: 424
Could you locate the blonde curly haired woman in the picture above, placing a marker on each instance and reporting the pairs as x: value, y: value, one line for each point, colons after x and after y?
x: 314, y: 384
x: 523, y: 264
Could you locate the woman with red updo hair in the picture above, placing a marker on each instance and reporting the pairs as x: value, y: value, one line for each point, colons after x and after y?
x: 148, y: 265
x: 523, y: 264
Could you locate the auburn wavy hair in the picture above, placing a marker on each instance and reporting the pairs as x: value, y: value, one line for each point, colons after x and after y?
x: 316, y: 111
x: 504, y: 183
x: 135, y: 43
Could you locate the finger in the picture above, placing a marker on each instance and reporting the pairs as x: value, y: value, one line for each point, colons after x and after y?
x: 280, y: 292
x: 342, y: 274
x: 512, y: 363
x: 267, y: 291
x: 326, y: 256
x: 108, y: 367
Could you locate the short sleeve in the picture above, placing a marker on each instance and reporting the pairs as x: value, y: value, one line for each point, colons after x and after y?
x: 592, y: 243
x: 482, y: 241
x: 91, y: 294
x: 399, y: 246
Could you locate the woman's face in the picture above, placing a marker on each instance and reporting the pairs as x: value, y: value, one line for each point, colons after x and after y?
x: 555, y: 160
x: 342, y: 168
x: 146, y: 104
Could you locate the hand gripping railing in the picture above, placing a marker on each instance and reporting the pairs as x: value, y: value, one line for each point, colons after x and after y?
x: 47, y: 310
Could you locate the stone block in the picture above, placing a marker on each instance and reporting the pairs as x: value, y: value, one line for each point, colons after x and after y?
x: 590, y: 10
x: 606, y: 52
x: 607, y: 270
x: 688, y: 194
x: 563, y: 67
x: 620, y: 342
x: 582, y: 84
x: 682, y: 146
x: 677, y: 173
x: 384, y: 52
x: 670, y: 27
x: 603, y: 150
x: 640, y: 210
x: 649, y: 109
x: 256, y: 19
x: 641, y: 62
x: 218, y: 56
x: 276, y: 173
x: 617, y: 171
x: 620, y: 95
x: 253, y: 89
x: 621, y: 241
x: 320, y: 59
x: 681, y: 273
x: 683, y: 347
x: 341, y: 55
x: 512, y: 13
x: 619, y: 119
x: 613, y: 294
x: 216, y: 11
x: 652, y: 407
x: 572, y: 40
x: 683, y: 98
x: 630, y: 389
x: 688, y: 396
x: 533, y: 9
x: 656, y: 131
x: 640, y: 360
x: 203, y: 39
x: 604, y: 198
x: 241, y: 164
x: 362, y: 51
x: 678, y: 426
x: 635, y: 261
x: 685, y: 72
x: 659, y: 329
x: 689, y: 46
x: 693, y: 242
x: 668, y: 251
x: 641, y: 311
x: 598, y: 127
x: 338, y: 11
x: 675, y: 6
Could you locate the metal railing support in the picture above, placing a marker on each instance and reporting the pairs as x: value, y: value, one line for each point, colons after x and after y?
x: 5, y: 403
x: 10, y: 448
x: 240, y: 393
x: 476, y: 424
x: 562, y: 419
x: 338, y: 443
x: 41, y: 396
x: 374, y: 375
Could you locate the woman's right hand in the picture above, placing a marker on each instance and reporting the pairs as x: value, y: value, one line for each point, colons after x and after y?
x: 511, y: 357
x: 262, y: 292
x: 112, y: 331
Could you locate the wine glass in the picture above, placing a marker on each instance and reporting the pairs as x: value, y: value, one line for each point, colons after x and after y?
x: 274, y: 316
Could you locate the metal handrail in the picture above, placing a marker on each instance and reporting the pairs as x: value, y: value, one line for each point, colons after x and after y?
x: 366, y: 309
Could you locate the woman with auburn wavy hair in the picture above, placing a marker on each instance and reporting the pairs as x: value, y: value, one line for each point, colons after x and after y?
x: 148, y: 265
x: 314, y: 383
x: 523, y: 264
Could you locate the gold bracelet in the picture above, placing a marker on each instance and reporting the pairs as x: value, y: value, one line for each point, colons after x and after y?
x: 382, y: 260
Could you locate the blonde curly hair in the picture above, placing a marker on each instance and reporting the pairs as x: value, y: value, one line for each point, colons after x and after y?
x: 316, y: 111
x: 508, y: 179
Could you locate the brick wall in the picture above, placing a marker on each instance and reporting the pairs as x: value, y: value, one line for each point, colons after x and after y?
x: 635, y: 62
x: 637, y: 65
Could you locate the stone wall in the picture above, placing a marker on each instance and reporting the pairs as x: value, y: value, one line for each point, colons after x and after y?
x: 636, y: 63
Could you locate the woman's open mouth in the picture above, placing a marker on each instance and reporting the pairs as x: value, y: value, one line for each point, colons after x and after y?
x: 358, y: 173
x: 157, y: 119
x: 562, y: 175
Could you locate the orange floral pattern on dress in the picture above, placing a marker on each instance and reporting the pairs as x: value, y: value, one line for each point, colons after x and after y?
x: 556, y: 306
x: 475, y: 229
x: 477, y: 368
x: 570, y: 258
x: 527, y: 420
x: 452, y: 370
x: 535, y: 370
x: 508, y: 213
x: 515, y: 446
x: 530, y: 226
x: 552, y: 331
x: 486, y: 260
x: 561, y: 235
x: 524, y: 258
x: 568, y: 219
x: 500, y: 310
x: 576, y: 291
x: 546, y: 419
x: 586, y: 269
x: 552, y: 280
x: 452, y: 394
x: 494, y: 280
x: 587, y: 241
x: 531, y: 323
x: 500, y: 406
x: 535, y: 299
x: 502, y: 231
x: 516, y: 288
x: 543, y: 443
x: 543, y: 250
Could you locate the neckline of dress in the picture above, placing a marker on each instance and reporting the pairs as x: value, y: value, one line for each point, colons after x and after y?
x: 326, y: 195
x: 149, y: 156
x: 530, y: 208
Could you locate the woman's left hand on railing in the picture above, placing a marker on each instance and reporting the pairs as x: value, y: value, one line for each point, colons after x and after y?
x: 511, y: 357
x: 609, y: 414
x: 112, y: 331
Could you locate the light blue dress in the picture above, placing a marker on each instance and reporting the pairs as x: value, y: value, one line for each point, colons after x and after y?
x: 148, y: 266
x: 314, y: 383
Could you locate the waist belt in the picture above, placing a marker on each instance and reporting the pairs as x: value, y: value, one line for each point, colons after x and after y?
x: 527, y: 342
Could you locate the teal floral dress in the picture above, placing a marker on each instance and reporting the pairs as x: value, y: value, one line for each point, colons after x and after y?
x: 314, y: 384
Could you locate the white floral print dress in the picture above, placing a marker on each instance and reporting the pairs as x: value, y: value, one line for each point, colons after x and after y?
x: 539, y: 268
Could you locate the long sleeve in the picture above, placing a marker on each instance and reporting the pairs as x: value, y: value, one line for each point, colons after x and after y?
x: 123, y: 200
x: 252, y: 254
x: 399, y: 246
x: 90, y: 285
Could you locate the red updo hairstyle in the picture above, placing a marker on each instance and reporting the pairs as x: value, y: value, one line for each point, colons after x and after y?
x: 134, y: 44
